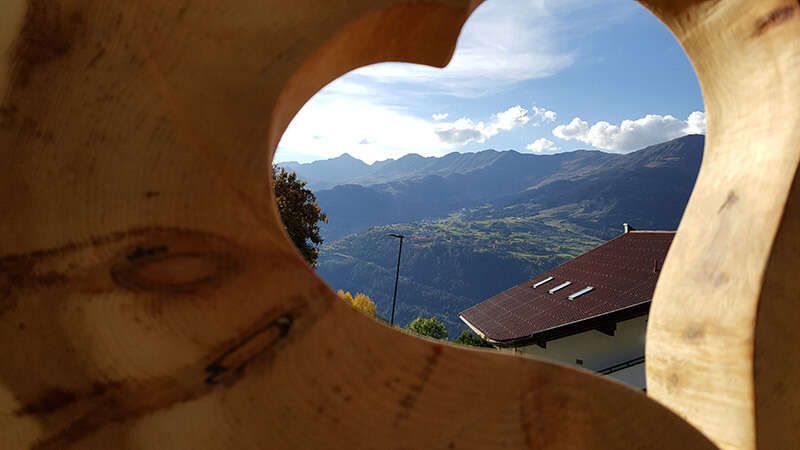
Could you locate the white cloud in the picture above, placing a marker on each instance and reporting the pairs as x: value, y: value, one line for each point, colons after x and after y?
x: 631, y: 134
x: 364, y: 126
x: 372, y: 128
x: 511, y: 118
x: 504, y: 43
x: 334, y: 123
x: 577, y: 129
x: 542, y: 145
x: 696, y: 123
x: 541, y: 115
x: 464, y: 131
x: 498, y: 47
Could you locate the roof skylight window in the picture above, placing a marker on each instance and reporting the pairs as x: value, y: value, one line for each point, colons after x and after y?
x: 581, y: 292
x: 559, y: 287
x: 539, y: 283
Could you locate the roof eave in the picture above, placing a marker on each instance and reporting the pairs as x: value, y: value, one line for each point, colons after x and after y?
x: 568, y: 329
x: 477, y: 331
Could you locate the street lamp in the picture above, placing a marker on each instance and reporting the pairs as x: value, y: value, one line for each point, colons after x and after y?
x: 397, y: 274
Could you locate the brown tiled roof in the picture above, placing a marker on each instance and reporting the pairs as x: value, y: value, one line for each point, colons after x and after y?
x: 623, y: 273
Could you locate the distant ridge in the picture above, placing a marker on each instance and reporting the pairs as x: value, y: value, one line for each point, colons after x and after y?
x: 345, y: 169
x: 414, y: 187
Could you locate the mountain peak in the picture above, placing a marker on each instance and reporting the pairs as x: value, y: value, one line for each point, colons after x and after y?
x: 411, y: 156
x: 346, y: 156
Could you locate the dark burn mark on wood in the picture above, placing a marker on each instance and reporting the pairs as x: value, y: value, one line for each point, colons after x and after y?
x: 97, y: 56
x: 776, y: 17
x: 48, y: 33
x: 22, y: 275
x: 47, y: 279
x: 232, y: 362
x: 123, y: 402
x: 116, y: 403
x: 120, y: 402
x: 154, y: 268
x: 717, y: 278
x: 194, y: 262
x: 95, y: 241
x: 694, y: 333
x: 101, y: 388
x: 730, y: 200
x: 143, y: 252
x: 55, y: 399
x: 409, y: 400
x: 52, y: 400
x: 151, y: 194
x: 139, y: 269
x: 25, y: 278
x: 673, y: 382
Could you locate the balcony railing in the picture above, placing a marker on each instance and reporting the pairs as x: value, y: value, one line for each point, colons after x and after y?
x: 622, y: 366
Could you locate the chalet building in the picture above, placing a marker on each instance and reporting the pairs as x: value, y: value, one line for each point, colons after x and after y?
x: 589, y: 312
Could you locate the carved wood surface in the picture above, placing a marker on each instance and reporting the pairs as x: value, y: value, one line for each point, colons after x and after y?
x: 721, y: 348
x: 149, y: 297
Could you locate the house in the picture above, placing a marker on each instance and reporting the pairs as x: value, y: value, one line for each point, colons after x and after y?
x: 589, y: 312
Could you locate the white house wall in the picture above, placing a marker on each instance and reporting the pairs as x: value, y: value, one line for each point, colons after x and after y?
x: 598, y: 350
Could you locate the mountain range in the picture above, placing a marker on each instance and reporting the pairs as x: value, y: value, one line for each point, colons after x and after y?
x: 478, y: 223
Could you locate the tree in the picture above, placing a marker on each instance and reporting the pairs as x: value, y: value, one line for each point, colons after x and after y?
x: 299, y: 211
x: 469, y: 338
x: 430, y: 327
x: 364, y: 304
x: 346, y: 296
x: 360, y: 302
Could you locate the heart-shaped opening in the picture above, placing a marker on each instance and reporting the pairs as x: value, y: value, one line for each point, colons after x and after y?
x: 438, y: 200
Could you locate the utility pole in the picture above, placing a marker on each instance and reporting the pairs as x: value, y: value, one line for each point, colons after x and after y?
x: 397, y: 274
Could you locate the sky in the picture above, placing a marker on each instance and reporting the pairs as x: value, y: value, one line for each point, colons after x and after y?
x: 535, y: 76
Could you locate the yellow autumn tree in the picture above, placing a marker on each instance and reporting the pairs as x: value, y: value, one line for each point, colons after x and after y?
x: 364, y: 304
x: 361, y: 302
x: 346, y: 296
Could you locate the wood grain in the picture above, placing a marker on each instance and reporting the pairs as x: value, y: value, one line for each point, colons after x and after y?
x: 149, y: 297
x: 719, y: 351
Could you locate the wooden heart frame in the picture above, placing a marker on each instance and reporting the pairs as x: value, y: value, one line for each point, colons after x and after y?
x: 149, y: 297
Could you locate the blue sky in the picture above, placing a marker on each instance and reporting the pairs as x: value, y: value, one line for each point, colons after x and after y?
x: 536, y: 76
